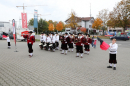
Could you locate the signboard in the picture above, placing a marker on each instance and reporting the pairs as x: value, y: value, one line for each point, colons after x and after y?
x: 35, y: 19
x: 24, y: 20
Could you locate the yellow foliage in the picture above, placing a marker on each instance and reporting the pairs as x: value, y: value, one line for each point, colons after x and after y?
x: 51, y: 27
x: 59, y: 26
x: 73, y: 20
x: 97, y: 23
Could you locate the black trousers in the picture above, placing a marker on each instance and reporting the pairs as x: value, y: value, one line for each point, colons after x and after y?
x: 30, y: 50
x: 70, y: 45
x: 57, y: 44
x: 54, y: 46
x: 47, y: 45
x: 8, y: 43
x: 43, y: 43
x: 87, y: 47
x: 79, y: 49
x: 64, y: 47
x: 112, y: 58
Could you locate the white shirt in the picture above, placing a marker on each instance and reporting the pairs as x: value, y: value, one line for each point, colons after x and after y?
x: 113, y: 48
x: 8, y: 39
x: 48, y: 39
x: 80, y: 37
x: 41, y: 38
x: 44, y: 38
x: 57, y: 38
x: 53, y: 39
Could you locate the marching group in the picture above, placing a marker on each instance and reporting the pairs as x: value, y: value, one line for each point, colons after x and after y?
x: 50, y: 42
x: 82, y: 43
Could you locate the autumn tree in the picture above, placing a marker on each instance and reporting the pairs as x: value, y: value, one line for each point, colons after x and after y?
x: 98, y: 23
x: 72, y: 21
x: 120, y: 15
x: 59, y: 26
x: 51, y: 27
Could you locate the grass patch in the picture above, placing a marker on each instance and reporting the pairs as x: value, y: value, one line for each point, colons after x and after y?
x: 102, y: 37
x: 37, y: 39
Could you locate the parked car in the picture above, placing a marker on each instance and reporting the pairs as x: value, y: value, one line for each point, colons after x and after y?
x: 11, y: 35
x: 0, y: 36
x: 120, y: 37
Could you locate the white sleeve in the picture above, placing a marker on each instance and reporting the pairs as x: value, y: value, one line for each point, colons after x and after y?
x: 114, y: 48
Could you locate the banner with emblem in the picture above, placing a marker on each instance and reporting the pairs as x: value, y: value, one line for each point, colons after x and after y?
x: 24, y: 20
x: 35, y: 19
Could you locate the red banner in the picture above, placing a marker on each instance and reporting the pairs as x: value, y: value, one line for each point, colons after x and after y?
x: 24, y: 20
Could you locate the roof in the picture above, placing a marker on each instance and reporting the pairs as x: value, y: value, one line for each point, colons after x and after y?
x: 83, y: 18
x: 86, y: 18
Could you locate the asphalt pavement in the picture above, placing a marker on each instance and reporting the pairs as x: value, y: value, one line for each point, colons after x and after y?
x: 47, y: 68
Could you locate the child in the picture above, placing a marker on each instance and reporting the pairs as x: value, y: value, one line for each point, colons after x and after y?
x: 94, y: 44
x: 8, y: 40
x: 112, y: 54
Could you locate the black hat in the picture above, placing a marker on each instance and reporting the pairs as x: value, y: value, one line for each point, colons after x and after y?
x: 30, y: 32
x: 79, y: 33
x: 52, y: 33
x: 66, y: 33
x: 47, y: 34
x: 88, y: 35
x: 70, y: 33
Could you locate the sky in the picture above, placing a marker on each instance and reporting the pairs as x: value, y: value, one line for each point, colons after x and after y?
x: 59, y: 10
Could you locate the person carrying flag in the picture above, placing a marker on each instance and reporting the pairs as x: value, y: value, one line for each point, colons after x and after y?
x: 112, y: 54
x: 8, y: 40
x: 112, y: 51
x: 30, y: 40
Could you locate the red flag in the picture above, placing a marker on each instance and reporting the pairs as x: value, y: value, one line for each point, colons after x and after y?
x: 13, y: 21
x: 103, y: 45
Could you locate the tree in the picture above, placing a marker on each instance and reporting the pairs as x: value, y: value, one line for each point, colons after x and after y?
x: 73, y: 20
x: 120, y: 15
x: 59, y: 26
x: 104, y: 16
x: 51, y: 27
x: 97, y: 23
x: 42, y: 25
x: 31, y: 22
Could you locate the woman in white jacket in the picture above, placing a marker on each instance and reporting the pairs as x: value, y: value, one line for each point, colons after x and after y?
x: 112, y: 53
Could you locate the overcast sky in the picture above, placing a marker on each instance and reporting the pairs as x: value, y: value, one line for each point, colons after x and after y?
x: 59, y: 9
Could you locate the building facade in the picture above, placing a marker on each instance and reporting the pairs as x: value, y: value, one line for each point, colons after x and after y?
x: 85, y: 22
x: 5, y: 27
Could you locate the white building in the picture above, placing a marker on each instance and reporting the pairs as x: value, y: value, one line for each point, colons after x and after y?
x: 84, y: 22
x: 5, y: 27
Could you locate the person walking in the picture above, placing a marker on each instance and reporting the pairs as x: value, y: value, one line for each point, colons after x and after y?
x: 30, y: 40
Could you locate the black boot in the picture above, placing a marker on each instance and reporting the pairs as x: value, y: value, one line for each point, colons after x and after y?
x: 109, y: 66
x: 114, y: 68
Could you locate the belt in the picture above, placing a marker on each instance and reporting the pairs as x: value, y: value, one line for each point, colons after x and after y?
x: 112, y: 51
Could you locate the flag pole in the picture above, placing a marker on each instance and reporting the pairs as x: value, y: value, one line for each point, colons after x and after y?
x: 14, y: 34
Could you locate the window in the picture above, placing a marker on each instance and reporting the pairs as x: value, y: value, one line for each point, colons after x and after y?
x: 1, y: 24
x: 122, y: 35
x: 90, y: 26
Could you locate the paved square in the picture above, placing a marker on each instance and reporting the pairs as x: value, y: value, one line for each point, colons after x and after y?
x: 47, y: 68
